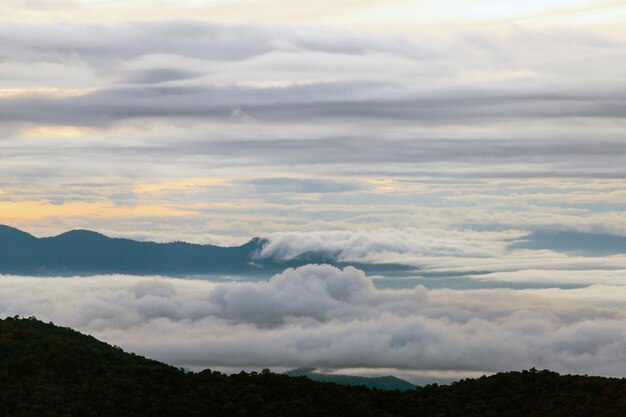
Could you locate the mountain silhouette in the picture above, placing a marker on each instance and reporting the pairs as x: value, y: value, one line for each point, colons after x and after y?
x: 87, y: 252
x: 388, y: 382
x: 51, y: 371
x: 83, y: 252
x: 573, y: 242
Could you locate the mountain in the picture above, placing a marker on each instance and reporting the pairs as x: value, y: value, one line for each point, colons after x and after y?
x: 50, y: 371
x: 83, y: 252
x: 388, y: 382
x: 572, y: 242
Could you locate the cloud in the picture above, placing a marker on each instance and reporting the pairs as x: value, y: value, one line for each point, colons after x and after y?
x: 157, y: 76
x: 130, y: 40
x: 307, y: 74
x: 330, y: 318
x: 302, y: 123
x: 328, y: 101
x: 388, y: 244
x: 304, y: 185
x: 559, y: 277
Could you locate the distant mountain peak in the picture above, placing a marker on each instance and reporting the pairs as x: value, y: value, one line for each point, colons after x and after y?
x: 387, y: 382
x: 255, y: 246
x: 12, y: 231
x: 81, y: 233
x: 85, y: 252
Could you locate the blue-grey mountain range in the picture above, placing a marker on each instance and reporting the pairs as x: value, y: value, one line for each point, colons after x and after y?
x: 83, y: 252
x: 388, y: 382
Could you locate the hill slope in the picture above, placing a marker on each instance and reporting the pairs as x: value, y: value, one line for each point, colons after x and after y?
x: 48, y: 371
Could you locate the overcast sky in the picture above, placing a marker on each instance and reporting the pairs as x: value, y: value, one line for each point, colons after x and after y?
x: 456, y: 136
x: 215, y: 121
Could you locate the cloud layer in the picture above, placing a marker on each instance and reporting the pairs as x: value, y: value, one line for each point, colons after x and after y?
x: 458, y: 144
x: 217, y: 132
x: 330, y: 318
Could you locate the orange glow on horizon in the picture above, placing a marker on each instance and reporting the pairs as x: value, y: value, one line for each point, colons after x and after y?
x: 33, y: 210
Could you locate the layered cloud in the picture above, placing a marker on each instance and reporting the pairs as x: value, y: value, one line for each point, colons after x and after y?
x: 389, y: 244
x: 276, y: 128
x: 474, y: 258
x: 193, y: 69
x: 326, y: 317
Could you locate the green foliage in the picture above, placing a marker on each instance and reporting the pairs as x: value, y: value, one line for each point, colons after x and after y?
x: 49, y: 371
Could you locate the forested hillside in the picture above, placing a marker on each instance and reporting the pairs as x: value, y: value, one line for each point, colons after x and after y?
x: 48, y: 371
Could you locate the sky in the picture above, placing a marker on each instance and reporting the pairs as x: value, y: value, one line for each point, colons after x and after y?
x: 458, y: 136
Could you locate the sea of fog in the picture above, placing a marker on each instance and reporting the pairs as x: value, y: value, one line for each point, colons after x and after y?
x: 421, y: 328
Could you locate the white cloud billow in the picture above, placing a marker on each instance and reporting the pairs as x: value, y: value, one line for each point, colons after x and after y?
x: 326, y: 317
x: 389, y: 244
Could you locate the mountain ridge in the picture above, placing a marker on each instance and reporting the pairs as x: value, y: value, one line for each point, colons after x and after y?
x: 386, y: 382
x: 85, y: 252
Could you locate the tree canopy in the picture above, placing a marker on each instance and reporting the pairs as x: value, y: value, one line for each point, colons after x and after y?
x: 50, y: 371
